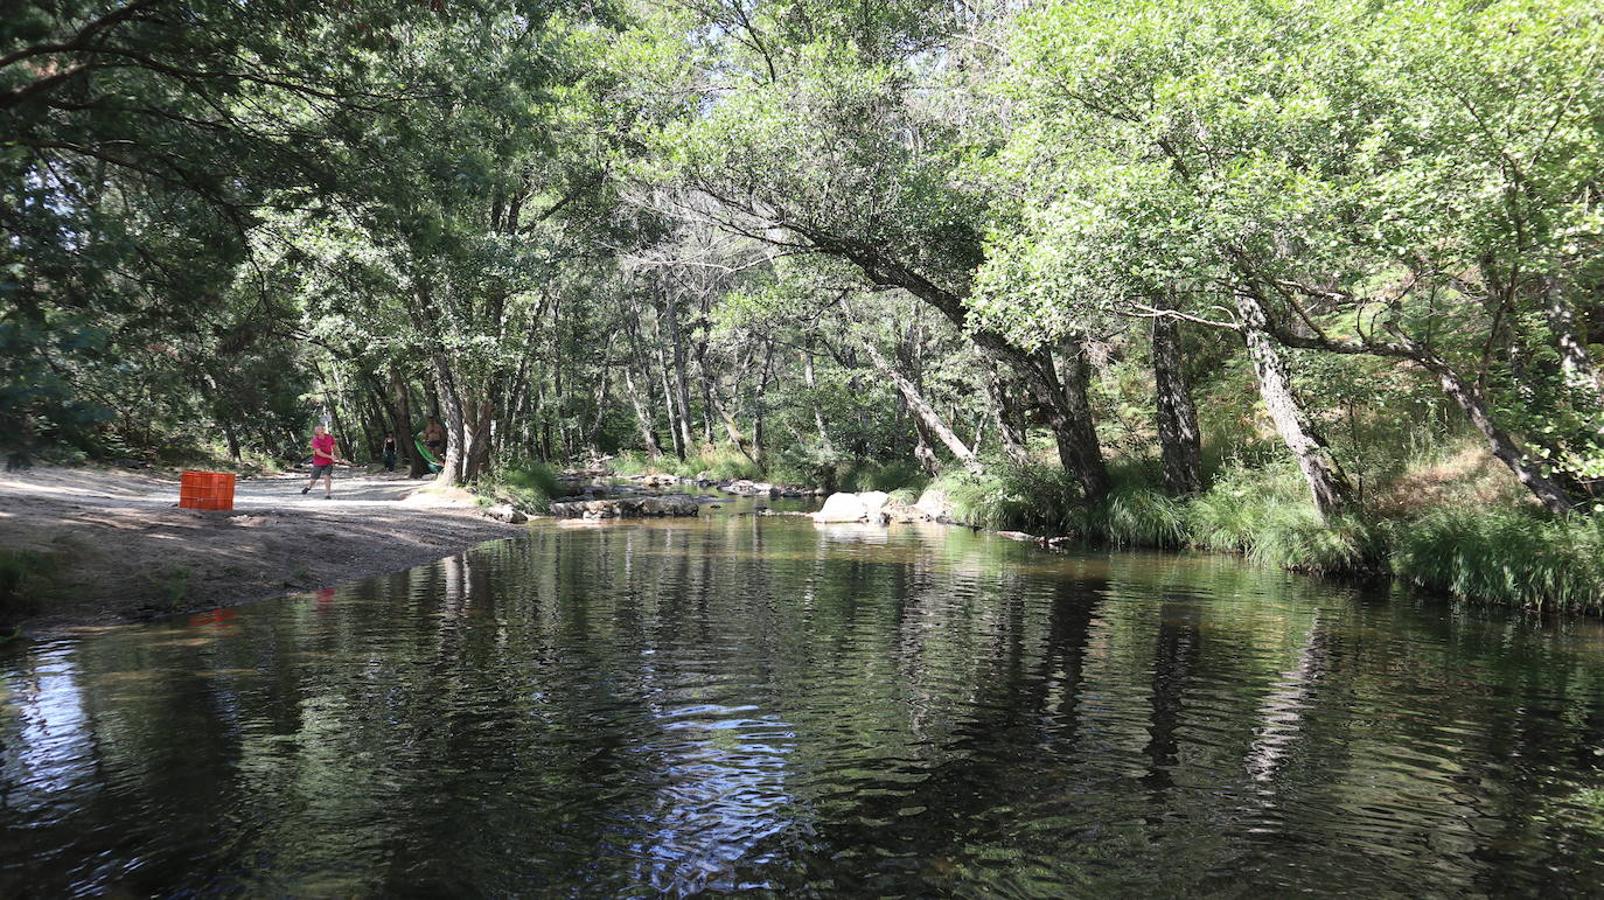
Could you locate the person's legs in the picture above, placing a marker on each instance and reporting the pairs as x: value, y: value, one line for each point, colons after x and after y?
x: 310, y: 481
x: 328, y: 483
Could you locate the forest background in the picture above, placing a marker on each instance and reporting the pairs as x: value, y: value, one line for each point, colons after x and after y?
x: 1312, y: 281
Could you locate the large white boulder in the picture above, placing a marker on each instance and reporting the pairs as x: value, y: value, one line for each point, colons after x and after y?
x: 869, y: 506
x: 874, y: 506
x: 935, y: 505
x: 841, y: 507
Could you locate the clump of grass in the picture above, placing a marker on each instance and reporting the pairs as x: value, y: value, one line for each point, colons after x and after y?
x: 632, y: 462
x: 724, y: 464
x: 721, y: 463
x: 26, y: 578
x: 1266, y: 515
x: 905, y: 496
x: 882, y: 476
x: 1137, y: 515
x: 1034, y: 498
x: 527, y: 485
x: 1510, y: 556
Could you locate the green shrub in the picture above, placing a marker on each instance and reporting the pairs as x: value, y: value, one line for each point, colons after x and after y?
x: 806, y: 465
x: 1040, y: 499
x: 1136, y: 515
x: 723, y: 463
x: 26, y: 578
x: 883, y: 476
x: 1514, y: 557
x: 632, y: 462
x: 527, y: 485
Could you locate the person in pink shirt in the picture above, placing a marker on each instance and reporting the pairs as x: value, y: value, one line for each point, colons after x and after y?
x: 324, y: 455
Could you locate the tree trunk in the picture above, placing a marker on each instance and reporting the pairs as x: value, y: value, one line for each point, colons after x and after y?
x: 593, y: 435
x: 1576, y: 364
x: 926, y: 414
x: 732, y: 428
x: 1006, y: 414
x: 922, y: 451
x: 675, y: 430
x: 1508, y: 451
x: 1180, y: 441
x: 762, y: 392
x: 232, y: 436
x: 643, y: 416
x: 810, y: 379
x: 449, y: 402
x: 1069, y: 412
x: 1328, y: 485
x: 476, y: 426
x: 401, y: 404
x: 682, y: 389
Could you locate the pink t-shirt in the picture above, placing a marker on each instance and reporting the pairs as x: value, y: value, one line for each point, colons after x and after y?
x: 323, y: 449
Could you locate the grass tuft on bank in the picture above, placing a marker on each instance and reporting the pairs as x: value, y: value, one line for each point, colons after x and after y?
x: 1473, y: 541
x: 527, y: 485
x: 27, y: 579
x: 1514, y: 557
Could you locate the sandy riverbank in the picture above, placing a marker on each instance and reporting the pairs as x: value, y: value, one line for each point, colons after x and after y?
x: 121, y: 550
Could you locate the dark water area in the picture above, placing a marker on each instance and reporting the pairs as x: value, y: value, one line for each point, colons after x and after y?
x: 739, y: 703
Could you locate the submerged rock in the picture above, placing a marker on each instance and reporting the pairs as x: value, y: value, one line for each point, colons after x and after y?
x: 506, y: 512
x: 934, y: 505
x: 868, y: 506
x: 627, y: 507
x: 841, y: 507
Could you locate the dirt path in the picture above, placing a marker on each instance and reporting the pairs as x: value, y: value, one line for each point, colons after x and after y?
x: 118, y: 548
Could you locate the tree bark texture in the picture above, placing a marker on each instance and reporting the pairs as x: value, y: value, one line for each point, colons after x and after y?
x: 1180, y: 440
x: 1328, y: 485
x: 926, y: 414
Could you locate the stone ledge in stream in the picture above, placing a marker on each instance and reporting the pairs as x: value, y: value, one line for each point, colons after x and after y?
x: 627, y: 507
x: 879, y: 508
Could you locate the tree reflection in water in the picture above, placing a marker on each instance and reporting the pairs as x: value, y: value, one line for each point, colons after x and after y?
x: 740, y: 703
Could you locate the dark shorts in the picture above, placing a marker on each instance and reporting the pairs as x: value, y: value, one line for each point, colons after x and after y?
x: 320, y: 471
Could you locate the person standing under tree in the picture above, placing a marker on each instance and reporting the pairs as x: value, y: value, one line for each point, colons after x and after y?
x: 434, y: 437
x: 324, y: 455
x: 389, y: 453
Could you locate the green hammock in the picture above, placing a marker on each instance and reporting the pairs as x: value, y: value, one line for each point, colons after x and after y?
x: 423, y: 450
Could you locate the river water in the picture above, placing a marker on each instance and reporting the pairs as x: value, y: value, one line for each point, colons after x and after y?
x: 742, y: 703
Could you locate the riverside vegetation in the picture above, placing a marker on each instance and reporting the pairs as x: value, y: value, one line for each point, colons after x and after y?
x: 1316, y: 282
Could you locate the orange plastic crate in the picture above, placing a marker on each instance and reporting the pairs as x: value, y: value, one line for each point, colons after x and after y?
x: 206, y: 490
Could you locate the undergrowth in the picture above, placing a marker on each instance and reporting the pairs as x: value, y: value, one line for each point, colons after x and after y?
x: 26, y: 579
x: 804, y: 468
x: 717, y: 464
x: 1516, y: 557
x: 527, y: 485
x: 1509, y: 553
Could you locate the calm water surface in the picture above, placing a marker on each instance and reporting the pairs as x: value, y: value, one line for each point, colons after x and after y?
x: 761, y: 704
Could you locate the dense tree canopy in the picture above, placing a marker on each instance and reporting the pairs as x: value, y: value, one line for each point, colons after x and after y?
x: 804, y: 238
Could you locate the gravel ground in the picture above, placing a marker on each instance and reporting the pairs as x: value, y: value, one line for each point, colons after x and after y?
x: 122, y: 550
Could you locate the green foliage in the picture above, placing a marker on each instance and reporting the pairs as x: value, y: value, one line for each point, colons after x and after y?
x: 1513, y: 557
x: 1033, y: 498
x: 26, y: 579
x: 889, y: 476
x: 721, y: 463
x: 632, y: 462
x: 526, y: 484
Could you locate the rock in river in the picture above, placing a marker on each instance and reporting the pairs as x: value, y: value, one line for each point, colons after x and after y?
x: 627, y: 507
x: 868, y: 506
